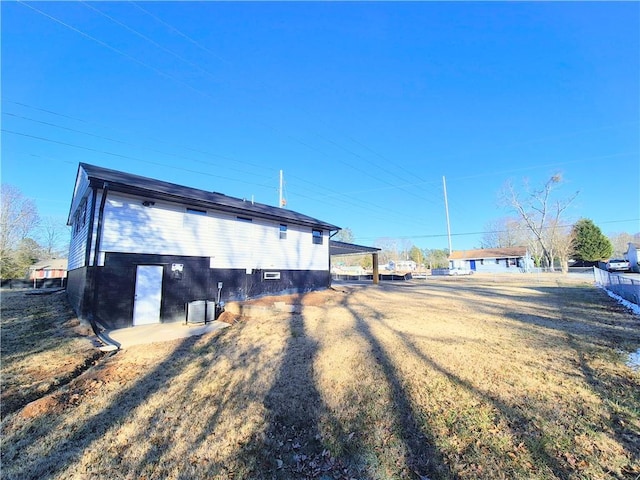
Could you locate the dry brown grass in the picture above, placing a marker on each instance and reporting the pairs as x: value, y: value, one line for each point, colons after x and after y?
x: 43, y: 345
x: 517, y: 378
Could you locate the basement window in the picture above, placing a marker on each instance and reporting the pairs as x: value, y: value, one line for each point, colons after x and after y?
x: 283, y: 231
x: 272, y: 275
x: 317, y: 236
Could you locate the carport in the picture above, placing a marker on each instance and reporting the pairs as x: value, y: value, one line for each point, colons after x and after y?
x: 343, y: 248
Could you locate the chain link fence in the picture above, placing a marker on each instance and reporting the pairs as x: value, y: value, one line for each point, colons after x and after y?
x: 620, y: 284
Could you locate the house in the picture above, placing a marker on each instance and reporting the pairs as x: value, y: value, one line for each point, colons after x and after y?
x: 52, y: 268
x: 509, y: 259
x: 403, y: 265
x: 143, y: 249
x: 632, y: 255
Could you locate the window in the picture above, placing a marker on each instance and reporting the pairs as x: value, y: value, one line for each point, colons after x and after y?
x: 317, y: 236
x: 283, y: 231
x: 80, y: 217
x: 244, y: 219
x: 195, y: 211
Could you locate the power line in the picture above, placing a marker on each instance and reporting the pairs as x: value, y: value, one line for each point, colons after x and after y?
x: 128, y: 157
x: 244, y: 172
x: 441, y: 235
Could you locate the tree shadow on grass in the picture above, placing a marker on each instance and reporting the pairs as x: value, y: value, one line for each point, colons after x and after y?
x: 421, y: 456
x: 71, y: 448
x: 292, y: 444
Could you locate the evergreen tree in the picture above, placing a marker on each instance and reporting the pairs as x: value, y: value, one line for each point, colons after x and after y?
x: 589, y: 243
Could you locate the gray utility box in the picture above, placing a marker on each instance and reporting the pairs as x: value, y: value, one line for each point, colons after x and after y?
x: 201, y: 311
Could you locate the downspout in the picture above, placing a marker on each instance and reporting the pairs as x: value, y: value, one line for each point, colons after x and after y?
x: 109, y: 344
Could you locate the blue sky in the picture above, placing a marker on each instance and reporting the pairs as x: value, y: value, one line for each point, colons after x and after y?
x: 364, y: 106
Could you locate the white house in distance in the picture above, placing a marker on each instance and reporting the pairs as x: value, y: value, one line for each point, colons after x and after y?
x: 632, y: 256
x: 493, y: 260
x: 142, y: 249
x: 402, y: 265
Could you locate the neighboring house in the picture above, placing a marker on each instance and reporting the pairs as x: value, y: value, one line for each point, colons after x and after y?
x: 510, y: 259
x: 53, y: 268
x: 348, y: 270
x: 632, y: 255
x: 141, y: 249
x: 403, y: 265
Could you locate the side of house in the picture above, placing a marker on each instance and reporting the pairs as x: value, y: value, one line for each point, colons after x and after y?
x: 492, y: 260
x: 142, y: 249
x: 632, y: 255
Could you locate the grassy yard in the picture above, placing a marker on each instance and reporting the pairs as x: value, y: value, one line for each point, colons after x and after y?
x: 43, y: 346
x: 485, y: 377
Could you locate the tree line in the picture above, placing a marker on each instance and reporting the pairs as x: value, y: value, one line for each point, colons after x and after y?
x: 26, y: 237
x: 537, y: 221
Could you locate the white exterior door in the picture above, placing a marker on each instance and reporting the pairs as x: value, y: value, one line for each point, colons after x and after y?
x: 146, y: 304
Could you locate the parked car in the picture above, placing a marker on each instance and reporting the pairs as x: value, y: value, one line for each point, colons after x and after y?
x: 618, y: 265
x: 460, y: 271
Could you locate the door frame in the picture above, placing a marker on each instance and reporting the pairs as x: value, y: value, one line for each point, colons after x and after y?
x: 150, y: 305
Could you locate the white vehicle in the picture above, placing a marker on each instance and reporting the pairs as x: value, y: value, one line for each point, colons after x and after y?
x: 460, y: 271
x: 618, y: 265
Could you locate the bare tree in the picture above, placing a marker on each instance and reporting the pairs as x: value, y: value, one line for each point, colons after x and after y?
x: 54, y: 236
x: 621, y: 241
x: 18, y: 220
x: 540, y: 213
x: 405, y: 248
x: 504, y: 232
x: 389, y: 249
x: 18, y: 216
x: 561, y: 238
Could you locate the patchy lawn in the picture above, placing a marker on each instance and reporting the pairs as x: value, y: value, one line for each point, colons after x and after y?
x: 519, y: 377
x: 43, y: 345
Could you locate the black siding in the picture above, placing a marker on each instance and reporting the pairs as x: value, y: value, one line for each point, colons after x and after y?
x: 115, y: 284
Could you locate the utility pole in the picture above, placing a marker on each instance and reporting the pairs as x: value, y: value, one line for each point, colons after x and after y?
x: 280, y: 199
x: 446, y: 208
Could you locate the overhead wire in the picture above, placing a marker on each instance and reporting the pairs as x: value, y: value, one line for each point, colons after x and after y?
x: 104, y: 44
x: 128, y: 157
x: 356, y: 202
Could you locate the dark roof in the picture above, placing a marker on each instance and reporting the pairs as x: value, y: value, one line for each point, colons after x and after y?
x: 159, y: 190
x: 508, y: 252
x: 342, y: 248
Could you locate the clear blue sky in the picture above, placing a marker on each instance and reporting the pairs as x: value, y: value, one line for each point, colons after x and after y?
x: 364, y: 106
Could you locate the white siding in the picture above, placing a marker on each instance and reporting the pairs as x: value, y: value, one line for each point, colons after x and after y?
x: 78, y: 245
x: 167, y: 229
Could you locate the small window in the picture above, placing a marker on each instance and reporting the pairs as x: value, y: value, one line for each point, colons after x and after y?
x: 195, y: 211
x: 497, y: 261
x: 80, y: 217
x: 482, y: 261
x: 317, y: 236
x: 272, y: 275
x: 283, y: 231
x: 244, y: 219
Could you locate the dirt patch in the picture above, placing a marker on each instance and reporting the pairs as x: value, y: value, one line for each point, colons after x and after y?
x: 318, y: 298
